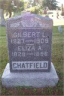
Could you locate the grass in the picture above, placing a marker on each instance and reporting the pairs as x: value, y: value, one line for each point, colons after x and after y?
x: 57, y: 59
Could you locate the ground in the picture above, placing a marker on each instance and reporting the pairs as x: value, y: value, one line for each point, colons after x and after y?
x: 56, y: 21
x: 57, y: 59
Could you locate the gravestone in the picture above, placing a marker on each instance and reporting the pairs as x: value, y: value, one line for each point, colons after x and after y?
x: 29, y: 43
x: 2, y: 21
x: 60, y: 29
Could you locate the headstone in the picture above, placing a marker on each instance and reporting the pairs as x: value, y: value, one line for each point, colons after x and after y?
x: 60, y: 29
x: 29, y: 43
x: 2, y: 21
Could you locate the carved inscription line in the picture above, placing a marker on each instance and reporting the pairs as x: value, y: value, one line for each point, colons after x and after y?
x: 29, y: 65
x: 31, y: 53
x: 29, y: 43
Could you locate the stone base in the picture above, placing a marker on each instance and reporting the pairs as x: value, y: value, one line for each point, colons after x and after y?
x: 32, y: 79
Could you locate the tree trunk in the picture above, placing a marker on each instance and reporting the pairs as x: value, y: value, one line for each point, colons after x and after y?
x: 10, y: 14
x: 2, y: 21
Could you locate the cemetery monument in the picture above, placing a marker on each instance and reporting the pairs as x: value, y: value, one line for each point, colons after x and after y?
x: 29, y: 39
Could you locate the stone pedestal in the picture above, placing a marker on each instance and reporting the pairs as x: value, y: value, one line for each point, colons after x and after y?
x: 33, y: 79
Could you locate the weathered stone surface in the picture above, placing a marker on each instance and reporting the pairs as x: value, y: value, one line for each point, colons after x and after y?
x: 29, y: 39
x: 33, y: 79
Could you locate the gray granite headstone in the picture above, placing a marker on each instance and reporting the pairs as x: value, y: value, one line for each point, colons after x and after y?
x: 29, y: 43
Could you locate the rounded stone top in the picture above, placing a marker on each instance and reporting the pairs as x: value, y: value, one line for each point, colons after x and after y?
x: 30, y: 20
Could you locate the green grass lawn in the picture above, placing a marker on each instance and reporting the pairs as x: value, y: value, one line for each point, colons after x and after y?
x: 57, y: 59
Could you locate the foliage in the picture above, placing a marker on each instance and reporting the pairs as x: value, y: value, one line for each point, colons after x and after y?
x: 26, y: 5
x: 34, y: 9
x: 51, y: 4
x: 37, y: 2
x: 11, y: 5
